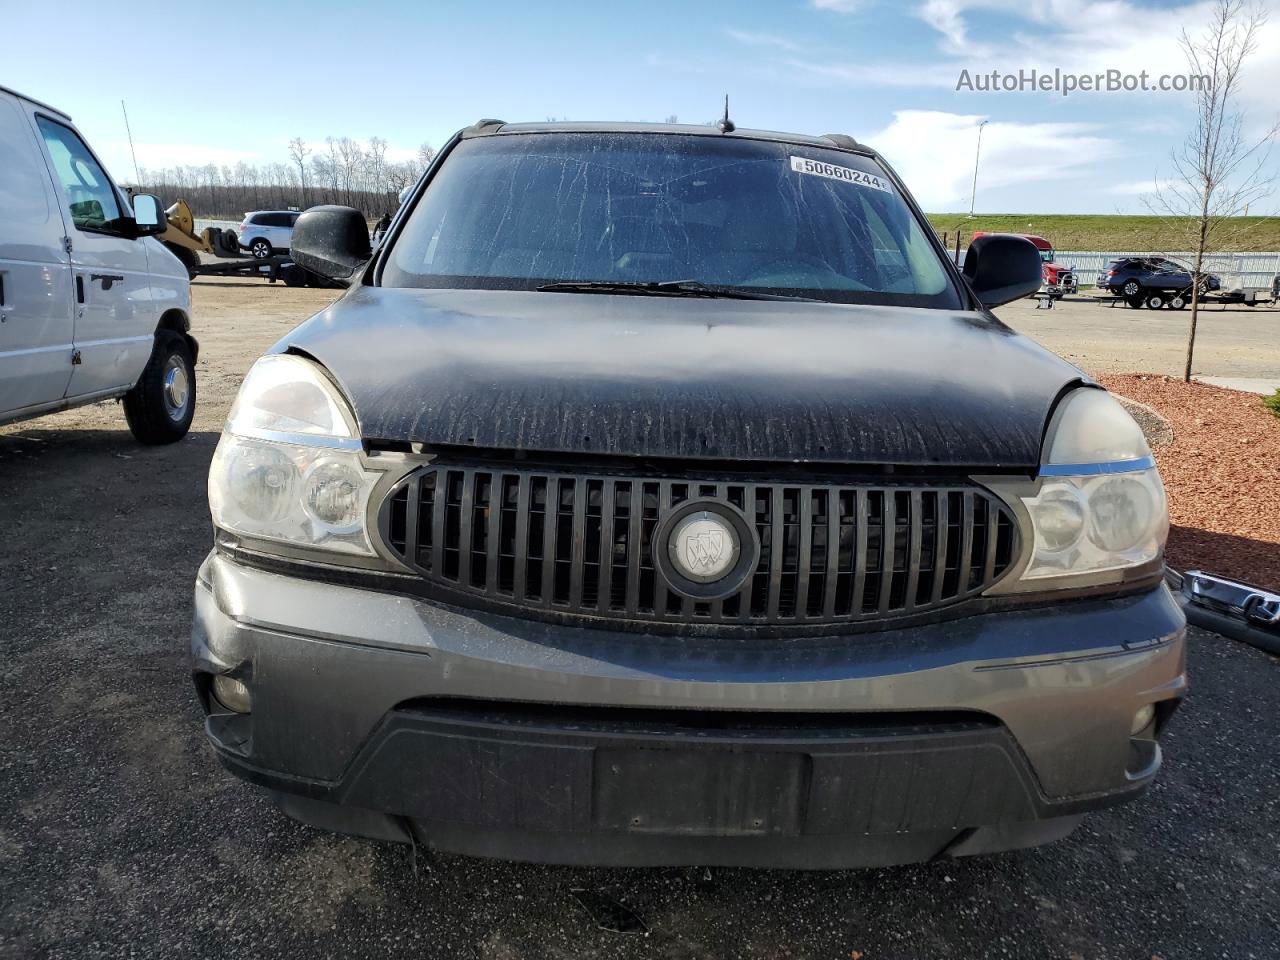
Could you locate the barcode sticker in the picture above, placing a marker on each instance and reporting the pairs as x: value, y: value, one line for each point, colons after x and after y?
x: 829, y: 170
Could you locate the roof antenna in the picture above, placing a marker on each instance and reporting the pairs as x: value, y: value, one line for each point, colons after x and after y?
x: 136, y: 174
x: 725, y: 124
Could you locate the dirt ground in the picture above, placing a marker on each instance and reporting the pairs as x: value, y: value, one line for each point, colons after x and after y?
x: 120, y: 836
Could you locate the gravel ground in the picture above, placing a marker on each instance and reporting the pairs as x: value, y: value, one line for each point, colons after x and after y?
x: 121, y: 837
x: 1222, y: 474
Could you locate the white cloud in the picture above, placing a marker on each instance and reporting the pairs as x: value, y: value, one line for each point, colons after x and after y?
x: 754, y: 39
x: 1090, y: 37
x: 1075, y: 36
x: 155, y: 156
x: 874, y: 74
x: 1140, y: 188
x: 933, y: 151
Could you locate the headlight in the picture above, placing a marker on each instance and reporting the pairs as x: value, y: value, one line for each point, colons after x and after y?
x: 1098, y: 508
x: 288, y: 465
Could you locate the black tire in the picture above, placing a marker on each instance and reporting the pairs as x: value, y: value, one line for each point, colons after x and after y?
x: 1154, y: 301
x: 226, y: 244
x: 293, y: 275
x: 1134, y: 302
x: 1177, y: 302
x: 160, y: 406
x: 260, y: 249
x: 1131, y: 288
x: 190, y: 259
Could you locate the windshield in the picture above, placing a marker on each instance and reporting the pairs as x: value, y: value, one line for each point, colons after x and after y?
x: 522, y: 211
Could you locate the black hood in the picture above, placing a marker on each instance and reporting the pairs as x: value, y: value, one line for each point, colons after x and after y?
x: 688, y: 378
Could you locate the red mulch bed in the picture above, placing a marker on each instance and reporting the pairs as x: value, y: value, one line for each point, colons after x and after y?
x: 1222, y: 473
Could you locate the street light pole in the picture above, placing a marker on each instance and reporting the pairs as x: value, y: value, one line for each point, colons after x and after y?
x: 976, y: 154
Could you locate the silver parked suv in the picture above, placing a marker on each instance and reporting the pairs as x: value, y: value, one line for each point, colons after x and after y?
x: 264, y: 232
x: 665, y: 495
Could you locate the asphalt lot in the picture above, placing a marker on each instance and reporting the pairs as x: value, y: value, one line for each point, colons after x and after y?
x: 120, y: 836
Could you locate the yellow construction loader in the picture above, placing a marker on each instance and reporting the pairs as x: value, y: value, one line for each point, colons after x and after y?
x: 185, y: 244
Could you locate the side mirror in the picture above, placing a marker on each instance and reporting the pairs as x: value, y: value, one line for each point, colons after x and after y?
x: 148, y: 216
x: 332, y: 241
x: 1001, y: 267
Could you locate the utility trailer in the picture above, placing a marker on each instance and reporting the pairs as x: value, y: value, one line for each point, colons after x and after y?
x: 275, y: 267
x: 187, y: 245
x: 1251, y: 295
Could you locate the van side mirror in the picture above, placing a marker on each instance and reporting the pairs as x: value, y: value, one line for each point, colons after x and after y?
x: 148, y: 216
x: 1001, y: 267
x: 332, y: 241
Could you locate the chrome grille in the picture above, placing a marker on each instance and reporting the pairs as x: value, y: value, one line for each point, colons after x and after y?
x: 583, y: 544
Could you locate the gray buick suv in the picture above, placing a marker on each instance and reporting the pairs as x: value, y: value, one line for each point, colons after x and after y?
x: 664, y: 494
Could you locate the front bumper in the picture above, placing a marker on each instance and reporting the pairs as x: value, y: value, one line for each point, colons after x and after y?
x: 379, y: 714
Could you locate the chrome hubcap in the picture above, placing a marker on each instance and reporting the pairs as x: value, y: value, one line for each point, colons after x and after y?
x: 177, y: 388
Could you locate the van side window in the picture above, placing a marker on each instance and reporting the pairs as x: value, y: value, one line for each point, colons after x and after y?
x: 90, y: 196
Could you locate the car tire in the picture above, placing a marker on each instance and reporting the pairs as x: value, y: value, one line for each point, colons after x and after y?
x: 1177, y: 302
x: 1154, y: 301
x: 1131, y: 288
x: 162, y: 403
x: 293, y: 275
x: 226, y: 243
x: 1134, y: 302
x: 190, y: 259
x: 260, y: 249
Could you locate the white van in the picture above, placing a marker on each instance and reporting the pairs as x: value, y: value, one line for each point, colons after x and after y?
x: 91, y: 305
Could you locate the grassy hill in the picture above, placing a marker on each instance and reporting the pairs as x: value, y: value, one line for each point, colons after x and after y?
x: 1108, y: 233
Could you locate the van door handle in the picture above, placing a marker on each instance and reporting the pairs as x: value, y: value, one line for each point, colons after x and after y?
x: 107, y: 279
x: 79, y: 289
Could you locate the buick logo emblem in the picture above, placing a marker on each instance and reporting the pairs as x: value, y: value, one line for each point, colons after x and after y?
x: 702, y: 551
x: 703, y: 546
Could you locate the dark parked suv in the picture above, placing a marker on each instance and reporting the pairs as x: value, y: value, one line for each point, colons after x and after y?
x: 665, y: 495
x: 1152, y: 281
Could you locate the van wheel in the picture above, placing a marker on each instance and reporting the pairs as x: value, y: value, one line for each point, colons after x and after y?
x: 160, y: 406
x: 1131, y: 288
x: 260, y: 249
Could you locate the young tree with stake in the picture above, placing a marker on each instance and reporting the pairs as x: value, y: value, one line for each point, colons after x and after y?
x: 1220, y: 169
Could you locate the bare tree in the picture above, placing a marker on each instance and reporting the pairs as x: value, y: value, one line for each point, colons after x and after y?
x: 298, y: 151
x: 375, y: 169
x: 1220, y: 169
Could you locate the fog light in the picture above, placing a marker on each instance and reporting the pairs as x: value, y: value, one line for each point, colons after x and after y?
x: 232, y: 694
x: 1141, y: 720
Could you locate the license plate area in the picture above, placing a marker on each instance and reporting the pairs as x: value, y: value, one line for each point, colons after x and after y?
x: 700, y: 792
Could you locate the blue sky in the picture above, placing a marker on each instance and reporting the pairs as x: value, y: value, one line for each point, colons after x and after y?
x: 884, y: 71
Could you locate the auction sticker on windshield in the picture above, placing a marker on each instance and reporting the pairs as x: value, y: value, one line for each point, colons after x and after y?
x: 832, y: 172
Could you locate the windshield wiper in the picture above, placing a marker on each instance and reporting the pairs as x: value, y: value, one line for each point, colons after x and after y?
x: 664, y: 288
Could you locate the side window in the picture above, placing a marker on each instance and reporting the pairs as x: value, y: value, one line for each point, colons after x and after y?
x: 90, y: 197
x: 279, y: 220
